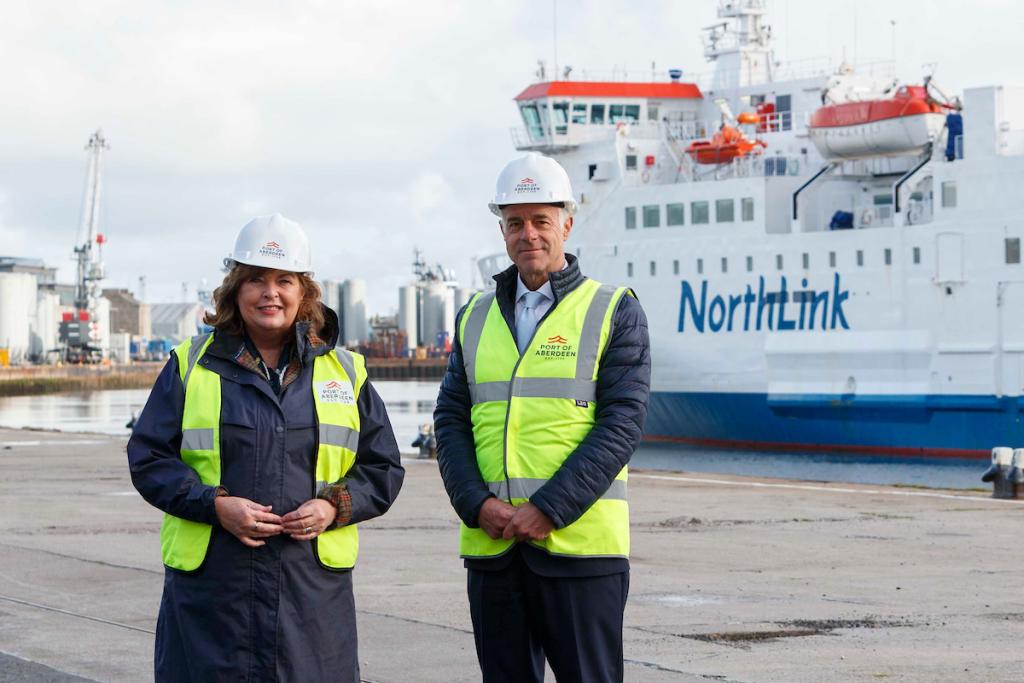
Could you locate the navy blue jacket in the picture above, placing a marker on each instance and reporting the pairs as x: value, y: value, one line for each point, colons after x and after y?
x: 268, y: 613
x: 623, y: 388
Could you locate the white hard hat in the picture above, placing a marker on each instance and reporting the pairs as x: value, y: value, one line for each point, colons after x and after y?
x: 533, y: 179
x: 272, y: 242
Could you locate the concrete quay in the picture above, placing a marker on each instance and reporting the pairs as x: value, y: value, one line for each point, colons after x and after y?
x: 733, y: 579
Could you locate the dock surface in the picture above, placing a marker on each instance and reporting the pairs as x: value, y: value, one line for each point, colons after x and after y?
x: 733, y: 579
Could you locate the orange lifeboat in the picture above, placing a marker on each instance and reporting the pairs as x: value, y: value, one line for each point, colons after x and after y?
x: 724, y: 146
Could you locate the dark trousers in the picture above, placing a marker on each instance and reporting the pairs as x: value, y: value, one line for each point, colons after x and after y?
x: 520, y: 617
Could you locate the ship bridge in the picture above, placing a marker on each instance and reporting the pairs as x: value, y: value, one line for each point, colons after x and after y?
x: 561, y: 115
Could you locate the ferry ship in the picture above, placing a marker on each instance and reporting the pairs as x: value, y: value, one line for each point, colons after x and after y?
x: 829, y: 260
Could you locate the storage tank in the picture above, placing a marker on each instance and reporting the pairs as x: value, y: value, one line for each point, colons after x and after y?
x: 331, y: 295
x: 99, y: 326
x: 438, y: 312
x: 17, y: 309
x: 408, y: 315
x: 462, y: 297
x: 355, y: 327
x: 45, y: 327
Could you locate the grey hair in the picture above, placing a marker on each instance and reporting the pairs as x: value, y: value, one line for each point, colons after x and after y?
x: 563, y: 217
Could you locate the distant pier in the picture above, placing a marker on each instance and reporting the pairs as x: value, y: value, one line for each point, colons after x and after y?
x: 47, y: 379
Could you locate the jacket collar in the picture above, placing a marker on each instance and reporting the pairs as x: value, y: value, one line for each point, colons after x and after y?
x: 562, y: 281
x: 307, y: 344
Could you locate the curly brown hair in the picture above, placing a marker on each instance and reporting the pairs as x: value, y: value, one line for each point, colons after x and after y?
x: 228, y: 319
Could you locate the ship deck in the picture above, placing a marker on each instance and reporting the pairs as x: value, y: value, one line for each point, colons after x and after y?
x: 734, y: 579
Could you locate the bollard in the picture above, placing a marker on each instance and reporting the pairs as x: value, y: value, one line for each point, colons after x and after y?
x: 999, y: 472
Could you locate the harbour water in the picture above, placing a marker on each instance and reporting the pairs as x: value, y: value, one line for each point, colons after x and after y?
x: 411, y: 404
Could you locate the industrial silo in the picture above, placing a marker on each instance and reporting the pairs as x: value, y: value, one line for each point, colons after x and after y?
x: 438, y: 313
x: 18, y: 298
x: 45, y: 326
x: 407, y: 315
x: 462, y: 297
x: 331, y: 295
x: 355, y: 328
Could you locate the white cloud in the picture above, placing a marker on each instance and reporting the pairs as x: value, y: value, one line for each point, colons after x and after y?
x: 380, y: 126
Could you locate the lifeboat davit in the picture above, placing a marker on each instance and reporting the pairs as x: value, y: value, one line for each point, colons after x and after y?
x: 903, y: 124
x: 724, y: 146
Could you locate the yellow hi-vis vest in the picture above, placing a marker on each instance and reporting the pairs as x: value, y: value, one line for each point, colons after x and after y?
x: 338, y: 377
x: 530, y: 412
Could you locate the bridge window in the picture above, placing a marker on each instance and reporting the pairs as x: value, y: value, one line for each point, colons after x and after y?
x: 1013, y: 250
x: 630, y: 162
x: 831, y: 259
x: 778, y: 262
x: 747, y: 208
x: 700, y: 266
x: 597, y: 113
x: 579, y: 114
x: 629, y: 269
x: 725, y: 210
x: 673, y: 214
x: 652, y: 216
x: 626, y: 113
x: 725, y: 265
x: 888, y: 257
x: 654, y: 268
x: 630, y: 218
x: 652, y: 111
x: 699, y: 213
x: 806, y: 260
x: 917, y: 255
x: 532, y: 120
x: 750, y: 264
x: 560, y: 116
x: 949, y: 194
x: 860, y: 257
x: 675, y: 267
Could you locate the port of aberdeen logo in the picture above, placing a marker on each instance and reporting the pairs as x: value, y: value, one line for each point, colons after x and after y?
x: 335, y: 392
x: 556, y: 346
x: 272, y: 249
x: 526, y: 186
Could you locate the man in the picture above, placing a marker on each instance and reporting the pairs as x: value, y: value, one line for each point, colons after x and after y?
x: 541, y: 407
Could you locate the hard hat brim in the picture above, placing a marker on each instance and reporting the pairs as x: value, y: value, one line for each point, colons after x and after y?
x: 569, y: 206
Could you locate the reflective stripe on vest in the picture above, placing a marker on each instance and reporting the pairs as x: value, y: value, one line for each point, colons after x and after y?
x: 530, y: 412
x: 338, y: 377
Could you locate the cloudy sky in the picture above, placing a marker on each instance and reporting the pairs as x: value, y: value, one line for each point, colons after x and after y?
x: 379, y: 125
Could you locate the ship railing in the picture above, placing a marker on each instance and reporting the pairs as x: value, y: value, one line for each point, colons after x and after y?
x: 776, y: 122
x: 745, y: 167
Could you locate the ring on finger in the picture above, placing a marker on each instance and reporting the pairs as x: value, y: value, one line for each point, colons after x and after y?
x: 309, y: 529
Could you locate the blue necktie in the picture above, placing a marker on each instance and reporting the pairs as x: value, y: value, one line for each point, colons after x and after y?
x: 526, y: 323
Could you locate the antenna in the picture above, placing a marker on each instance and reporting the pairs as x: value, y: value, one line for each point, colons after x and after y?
x: 554, y: 30
x: 892, y: 22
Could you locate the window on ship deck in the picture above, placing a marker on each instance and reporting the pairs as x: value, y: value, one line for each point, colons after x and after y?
x: 532, y: 120
x: 699, y: 213
x: 673, y: 214
x: 579, y: 114
x: 597, y: 113
x: 560, y: 117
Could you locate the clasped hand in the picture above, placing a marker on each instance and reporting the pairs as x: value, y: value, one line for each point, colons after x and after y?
x: 251, y: 522
x: 523, y: 522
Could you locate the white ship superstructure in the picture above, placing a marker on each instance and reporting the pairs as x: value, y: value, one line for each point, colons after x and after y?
x: 827, y: 260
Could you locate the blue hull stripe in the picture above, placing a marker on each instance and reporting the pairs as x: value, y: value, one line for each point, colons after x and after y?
x: 926, y: 423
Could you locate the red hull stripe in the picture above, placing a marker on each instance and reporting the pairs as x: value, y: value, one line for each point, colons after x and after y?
x: 658, y: 91
x: 859, y: 113
x: 817, y: 448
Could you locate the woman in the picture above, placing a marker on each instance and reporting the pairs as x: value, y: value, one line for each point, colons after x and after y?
x: 264, y: 446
